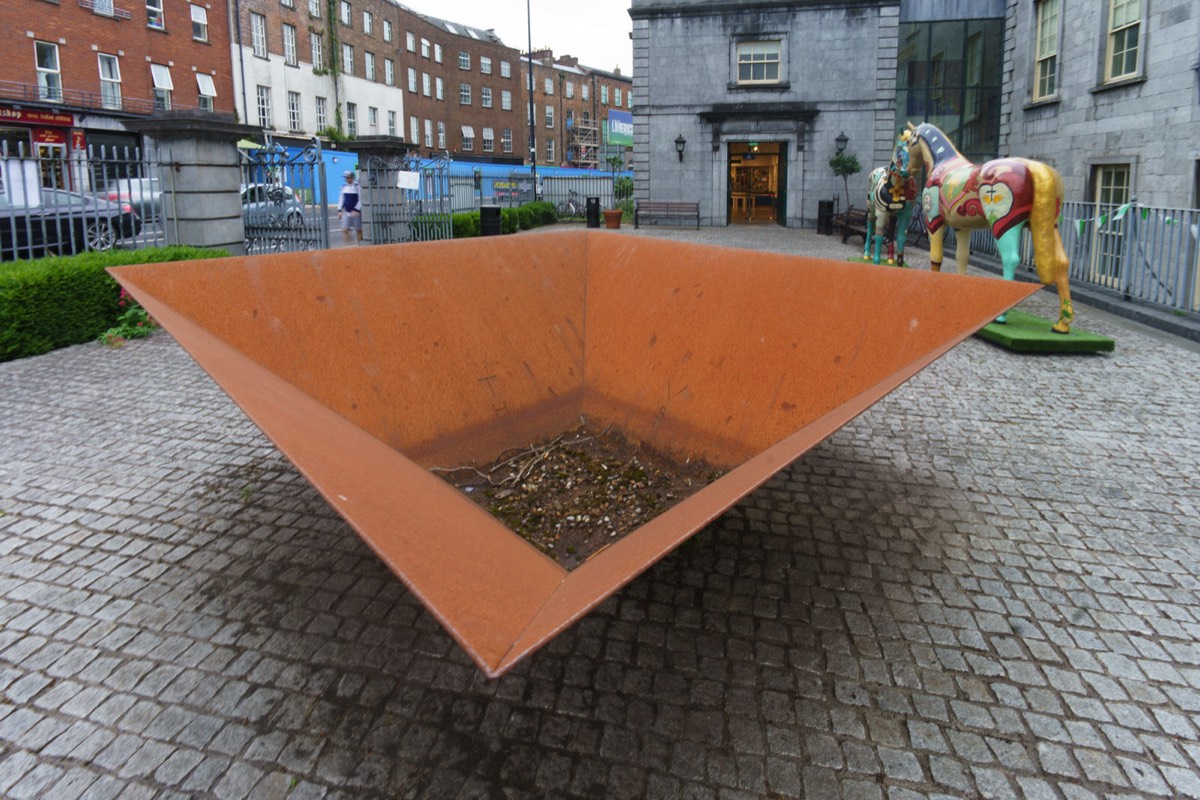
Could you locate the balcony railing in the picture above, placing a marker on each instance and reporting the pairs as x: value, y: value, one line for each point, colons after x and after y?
x: 68, y: 99
x: 105, y: 8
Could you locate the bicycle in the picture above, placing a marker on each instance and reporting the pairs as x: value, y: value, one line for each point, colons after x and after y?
x: 570, y: 208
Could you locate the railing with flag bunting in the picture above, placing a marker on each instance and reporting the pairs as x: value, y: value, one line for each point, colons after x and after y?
x: 1145, y: 253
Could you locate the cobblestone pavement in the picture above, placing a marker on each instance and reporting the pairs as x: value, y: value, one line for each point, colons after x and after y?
x: 986, y: 586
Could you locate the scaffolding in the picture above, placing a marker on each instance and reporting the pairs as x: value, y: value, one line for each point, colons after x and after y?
x: 584, y: 144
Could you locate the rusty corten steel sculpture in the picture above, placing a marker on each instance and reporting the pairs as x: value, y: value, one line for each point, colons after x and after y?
x: 369, y: 366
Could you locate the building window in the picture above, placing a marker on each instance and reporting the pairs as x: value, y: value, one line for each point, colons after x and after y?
x: 207, y: 89
x: 314, y: 8
x: 1045, y: 81
x: 485, y: 97
x: 464, y: 94
x: 372, y: 120
x: 389, y: 72
x: 437, y: 53
x: 387, y: 30
x: 288, y: 3
x: 289, y: 45
x: 368, y: 23
x: 489, y: 140
x: 391, y: 118
x: 464, y: 60
x: 570, y: 90
x: 160, y: 78
x: 258, y: 34
x: 110, y: 81
x: 506, y: 99
x: 346, y: 14
x: 429, y: 133
x: 414, y: 130
x: 603, y: 95
x: 629, y: 99
x: 439, y: 88
x: 506, y: 140
x: 352, y: 119
x: 369, y: 66
x: 1112, y: 184
x: 425, y: 48
x: 293, y: 111
x: 412, y: 79
x: 485, y: 65
x: 441, y: 136
x: 1124, y: 26
x: 549, y: 86
x: 154, y: 14
x: 263, y: 96
x: 550, y: 150
x: 317, y: 44
x: 468, y: 137
x: 758, y: 62
x: 549, y: 116
x: 410, y: 40
x: 199, y: 23
x: 348, y: 59
x: 617, y: 96
x: 505, y: 69
x: 426, y: 82
x: 586, y: 90
x: 322, y: 114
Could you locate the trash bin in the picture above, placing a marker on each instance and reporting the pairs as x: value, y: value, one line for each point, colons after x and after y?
x: 489, y: 221
x: 593, y: 212
x: 825, y: 217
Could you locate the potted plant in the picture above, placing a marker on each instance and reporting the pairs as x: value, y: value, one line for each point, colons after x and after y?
x: 612, y: 217
x: 844, y: 166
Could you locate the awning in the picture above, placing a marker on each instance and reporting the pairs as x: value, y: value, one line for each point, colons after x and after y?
x: 488, y: 133
x: 162, y: 77
x: 249, y: 144
x: 468, y: 131
x: 205, y: 82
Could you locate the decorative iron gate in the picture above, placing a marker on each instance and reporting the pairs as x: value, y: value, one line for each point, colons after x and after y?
x: 407, y: 199
x: 284, y: 206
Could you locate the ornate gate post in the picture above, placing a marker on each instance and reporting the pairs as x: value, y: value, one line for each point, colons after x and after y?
x: 200, y: 163
x: 377, y: 157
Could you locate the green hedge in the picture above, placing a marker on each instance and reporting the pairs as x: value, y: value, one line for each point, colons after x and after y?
x: 54, y: 302
x: 523, y: 218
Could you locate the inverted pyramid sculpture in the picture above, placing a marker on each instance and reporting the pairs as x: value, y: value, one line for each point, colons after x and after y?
x: 369, y: 366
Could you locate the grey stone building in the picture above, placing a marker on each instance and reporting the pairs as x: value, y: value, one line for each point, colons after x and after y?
x: 1108, y: 91
x: 756, y: 92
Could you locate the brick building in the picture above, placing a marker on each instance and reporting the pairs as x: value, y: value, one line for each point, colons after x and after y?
x: 573, y: 105
x: 77, y: 71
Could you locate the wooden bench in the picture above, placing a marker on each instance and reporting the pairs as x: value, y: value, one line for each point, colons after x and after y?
x: 852, y: 223
x: 666, y: 209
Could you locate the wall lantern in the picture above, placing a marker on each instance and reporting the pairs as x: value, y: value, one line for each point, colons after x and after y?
x: 842, y: 140
x: 680, y: 143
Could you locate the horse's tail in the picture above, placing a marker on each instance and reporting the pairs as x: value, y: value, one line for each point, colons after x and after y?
x: 1049, y: 257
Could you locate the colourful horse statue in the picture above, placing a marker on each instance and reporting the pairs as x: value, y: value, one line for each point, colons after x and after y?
x: 890, y: 194
x: 1003, y: 195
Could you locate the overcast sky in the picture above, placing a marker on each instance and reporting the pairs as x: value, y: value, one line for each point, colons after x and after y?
x: 595, y: 31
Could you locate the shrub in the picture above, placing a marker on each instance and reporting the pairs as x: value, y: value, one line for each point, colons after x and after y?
x: 464, y: 226
x: 622, y: 188
x: 53, y: 302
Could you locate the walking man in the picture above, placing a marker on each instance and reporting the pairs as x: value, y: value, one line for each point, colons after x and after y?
x: 350, y: 208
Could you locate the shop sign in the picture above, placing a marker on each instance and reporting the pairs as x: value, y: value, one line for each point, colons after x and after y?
x: 34, y: 117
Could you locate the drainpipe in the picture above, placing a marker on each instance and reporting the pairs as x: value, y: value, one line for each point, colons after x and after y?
x: 237, y: 25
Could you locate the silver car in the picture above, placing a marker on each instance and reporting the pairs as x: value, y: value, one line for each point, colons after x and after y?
x: 271, y: 204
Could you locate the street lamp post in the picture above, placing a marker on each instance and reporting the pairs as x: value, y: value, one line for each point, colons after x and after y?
x: 529, y: 65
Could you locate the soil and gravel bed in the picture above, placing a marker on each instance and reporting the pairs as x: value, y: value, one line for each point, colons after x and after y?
x: 574, y: 495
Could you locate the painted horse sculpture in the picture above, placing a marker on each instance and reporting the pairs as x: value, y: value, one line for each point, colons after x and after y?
x: 1004, y: 195
x: 890, y: 194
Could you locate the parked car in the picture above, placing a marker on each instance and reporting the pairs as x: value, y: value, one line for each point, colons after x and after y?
x: 64, y: 223
x: 143, y: 194
x: 271, y: 204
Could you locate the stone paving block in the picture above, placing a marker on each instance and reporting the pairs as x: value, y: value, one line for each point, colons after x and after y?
x: 973, y: 590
